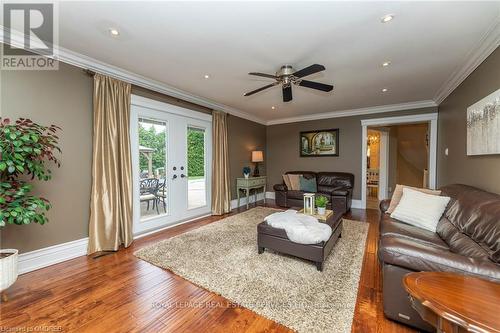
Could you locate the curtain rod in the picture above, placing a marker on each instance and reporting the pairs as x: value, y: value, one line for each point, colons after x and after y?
x: 89, y: 72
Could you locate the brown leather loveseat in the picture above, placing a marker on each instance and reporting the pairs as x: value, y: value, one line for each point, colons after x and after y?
x: 467, y: 241
x: 337, y: 186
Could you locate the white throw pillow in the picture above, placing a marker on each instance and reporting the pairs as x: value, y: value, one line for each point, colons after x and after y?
x: 420, y: 209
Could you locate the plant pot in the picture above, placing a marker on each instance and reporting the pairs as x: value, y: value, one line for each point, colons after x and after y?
x: 321, y: 210
x: 246, y: 175
x: 8, y: 268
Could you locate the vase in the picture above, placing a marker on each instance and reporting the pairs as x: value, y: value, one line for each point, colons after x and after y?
x: 246, y: 175
x: 8, y: 268
x: 321, y: 210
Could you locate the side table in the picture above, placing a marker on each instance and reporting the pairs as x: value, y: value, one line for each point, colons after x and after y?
x: 250, y: 183
x: 455, y: 303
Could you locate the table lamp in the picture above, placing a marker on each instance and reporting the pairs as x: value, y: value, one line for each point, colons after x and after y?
x: 257, y: 156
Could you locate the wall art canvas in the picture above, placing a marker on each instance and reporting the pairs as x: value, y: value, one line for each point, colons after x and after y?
x: 483, y: 126
x: 319, y: 143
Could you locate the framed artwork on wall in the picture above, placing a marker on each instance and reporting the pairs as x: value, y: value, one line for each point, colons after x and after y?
x: 483, y: 126
x: 319, y: 143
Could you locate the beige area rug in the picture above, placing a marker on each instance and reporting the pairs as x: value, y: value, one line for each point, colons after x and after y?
x: 222, y: 257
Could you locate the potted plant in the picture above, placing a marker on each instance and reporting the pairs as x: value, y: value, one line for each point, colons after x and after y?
x: 246, y: 171
x: 321, y: 202
x: 25, y: 150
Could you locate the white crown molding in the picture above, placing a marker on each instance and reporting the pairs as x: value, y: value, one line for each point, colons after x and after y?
x: 486, y: 45
x: 85, y: 62
x: 356, y: 112
x: 52, y: 255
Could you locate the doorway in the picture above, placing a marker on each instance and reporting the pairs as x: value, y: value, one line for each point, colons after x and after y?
x: 171, y: 156
x: 380, y: 175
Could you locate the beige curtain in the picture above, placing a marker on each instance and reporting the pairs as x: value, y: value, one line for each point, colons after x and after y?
x: 110, y: 222
x: 221, y: 192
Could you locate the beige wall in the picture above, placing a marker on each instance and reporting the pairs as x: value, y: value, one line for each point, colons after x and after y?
x: 244, y: 136
x: 479, y: 171
x: 64, y: 98
x: 283, y: 147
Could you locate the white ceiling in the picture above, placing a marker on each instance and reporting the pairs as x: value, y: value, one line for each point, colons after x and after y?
x: 177, y: 43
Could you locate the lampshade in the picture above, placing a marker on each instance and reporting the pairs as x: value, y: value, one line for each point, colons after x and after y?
x: 257, y: 156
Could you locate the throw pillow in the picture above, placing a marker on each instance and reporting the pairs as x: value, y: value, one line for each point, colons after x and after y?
x: 286, y: 180
x: 398, y: 193
x: 420, y: 209
x: 294, y: 182
x: 308, y: 185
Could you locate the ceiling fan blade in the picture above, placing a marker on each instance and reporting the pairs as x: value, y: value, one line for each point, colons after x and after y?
x: 316, y: 85
x: 309, y: 70
x: 269, y: 76
x: 260, y: 89
x: 287, y: 93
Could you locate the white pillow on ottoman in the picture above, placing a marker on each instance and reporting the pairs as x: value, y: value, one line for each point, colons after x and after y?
x: 420, y: 209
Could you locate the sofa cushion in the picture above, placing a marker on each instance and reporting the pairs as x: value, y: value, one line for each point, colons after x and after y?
x: 286, y: 181
x: 416, y: 256
x: 474, y: 213
x: 294, y: 182
x: 292, y: 194
x: 460, y: 242
x: 308, y: 185
x: 341, y: 192
x: 336, y: 179
x: 391, y: 227
x: 398, y: 194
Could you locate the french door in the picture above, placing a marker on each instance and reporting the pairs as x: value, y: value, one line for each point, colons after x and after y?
x: 171, y: 161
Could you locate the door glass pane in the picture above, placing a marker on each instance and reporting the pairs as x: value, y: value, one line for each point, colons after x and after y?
x: 196, y: 167
x: 153, y: 163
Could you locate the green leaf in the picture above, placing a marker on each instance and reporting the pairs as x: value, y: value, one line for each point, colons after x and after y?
x: 3, y: 166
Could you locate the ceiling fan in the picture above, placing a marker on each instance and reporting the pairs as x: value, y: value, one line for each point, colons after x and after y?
x: 287, y: 75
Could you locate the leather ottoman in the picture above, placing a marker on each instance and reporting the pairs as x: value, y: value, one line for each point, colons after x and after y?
x: 276, y: 239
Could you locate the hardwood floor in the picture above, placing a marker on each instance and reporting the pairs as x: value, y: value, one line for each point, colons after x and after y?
x: 120, y: 293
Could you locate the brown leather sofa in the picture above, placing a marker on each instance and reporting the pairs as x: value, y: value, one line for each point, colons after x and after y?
x: 467, y: 241
x: 337, y: 186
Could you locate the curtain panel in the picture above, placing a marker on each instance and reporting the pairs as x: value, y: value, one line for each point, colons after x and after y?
x: 110, y: 222
x: 221, y: 193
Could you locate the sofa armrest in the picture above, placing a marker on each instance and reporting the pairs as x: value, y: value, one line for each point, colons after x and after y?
x: 384, y: 205
x: 417, y: 256
x: 280, y: 187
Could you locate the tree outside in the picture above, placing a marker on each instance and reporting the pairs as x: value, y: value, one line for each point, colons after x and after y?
x: 153, y: 135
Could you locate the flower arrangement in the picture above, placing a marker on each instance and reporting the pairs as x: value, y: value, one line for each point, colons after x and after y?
x: 246, y: 171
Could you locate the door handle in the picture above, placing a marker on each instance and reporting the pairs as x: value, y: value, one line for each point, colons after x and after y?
x: 183, y: 175
x: 174, y: 176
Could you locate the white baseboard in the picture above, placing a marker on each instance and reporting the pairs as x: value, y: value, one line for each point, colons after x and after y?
x: 51, y: 255
x: 357, y: 204
x: 243, y: 200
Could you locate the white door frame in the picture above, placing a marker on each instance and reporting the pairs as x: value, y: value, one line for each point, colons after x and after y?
x: 383, y: 182
x: 146, y: 106
x: 426, y: 117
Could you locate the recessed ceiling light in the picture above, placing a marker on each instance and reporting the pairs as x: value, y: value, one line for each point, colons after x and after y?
x: 386, y: 63
x: 114, y: 32
x: 385, y: 90
x: 387, y: 18
x: 273, y: 107
x: 206, y: 76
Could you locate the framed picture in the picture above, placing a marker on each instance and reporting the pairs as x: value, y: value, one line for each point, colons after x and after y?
x: 319, y: 143
x: 483, y: 126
